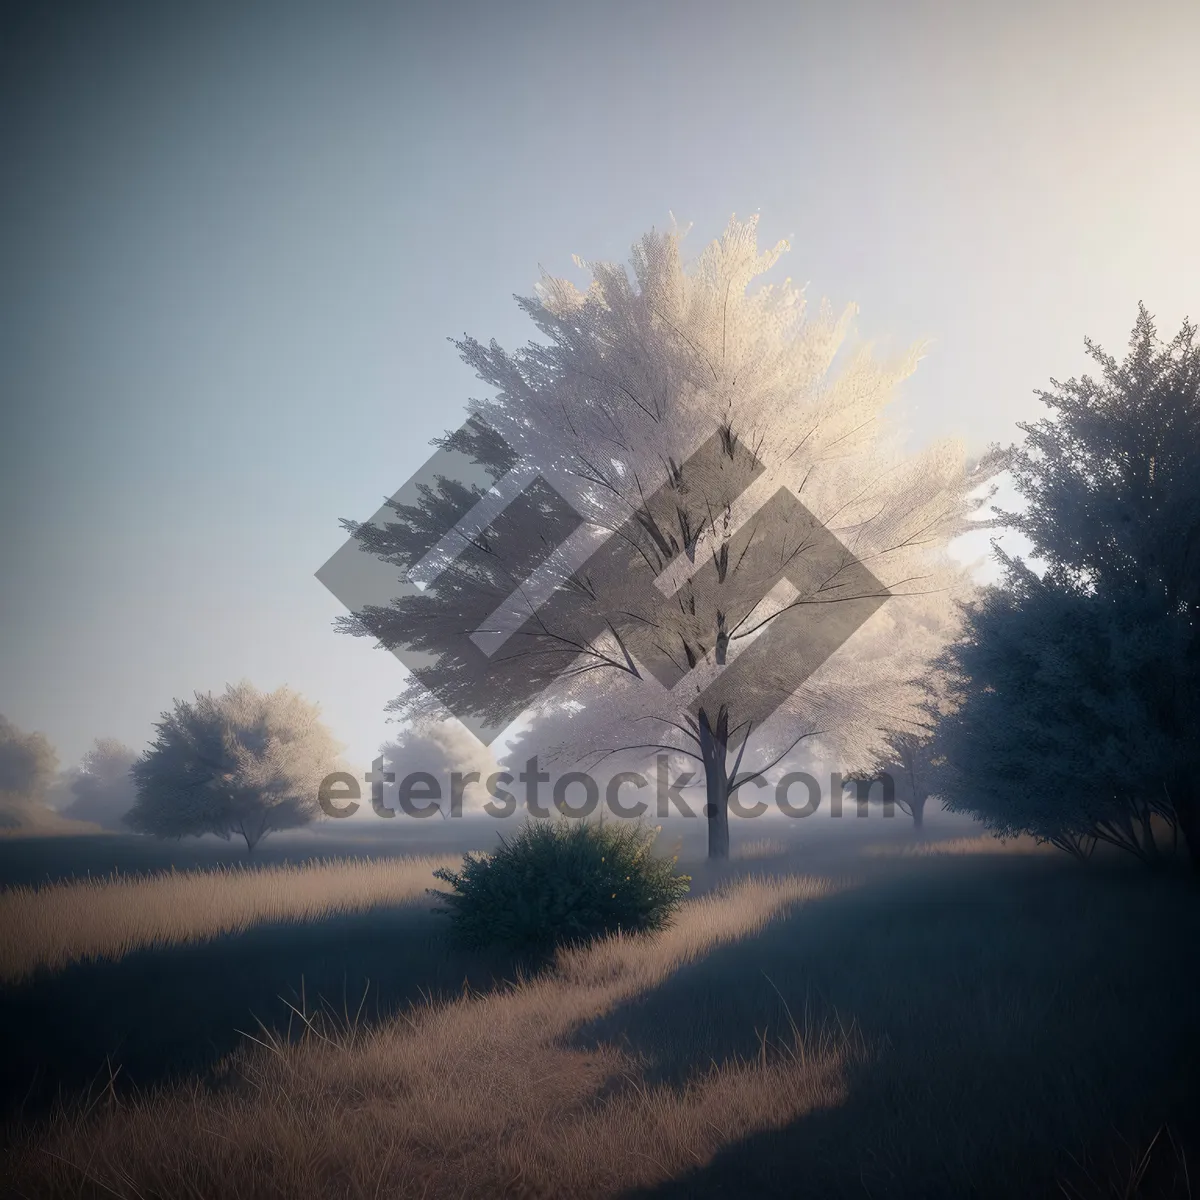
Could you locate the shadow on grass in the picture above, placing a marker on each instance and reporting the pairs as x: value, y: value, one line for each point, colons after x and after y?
x: 159, y: 1014
x: 1019, y: 1013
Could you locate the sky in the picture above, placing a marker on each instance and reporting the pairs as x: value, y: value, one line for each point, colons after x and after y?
x: 236, y: 238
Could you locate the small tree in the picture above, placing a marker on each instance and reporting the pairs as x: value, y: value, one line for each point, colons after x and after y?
x: 909, y: 761
x: 244, y: 763
x: 103, y: 788
x: 27, y: 769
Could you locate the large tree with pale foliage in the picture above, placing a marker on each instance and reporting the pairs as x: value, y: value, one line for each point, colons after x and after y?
x: 680, y: 414
x: 243, y: 763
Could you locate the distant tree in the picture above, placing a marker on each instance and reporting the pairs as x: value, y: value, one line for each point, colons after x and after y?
x: 681, y: 415
x: 28, y: 764
x: 907, y: 762
x: 103, y: 789
x: 442, y: 749
x: 1079, y: 690
x: 244, y: 763
x: 909, y: 757
x: 59, y: 794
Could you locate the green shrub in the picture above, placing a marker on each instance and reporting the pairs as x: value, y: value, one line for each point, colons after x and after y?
x: 561, y: 883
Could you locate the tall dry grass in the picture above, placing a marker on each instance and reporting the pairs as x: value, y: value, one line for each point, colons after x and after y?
x: 983, y: 844
x: 759, y: 848
x: 479, y: 1097
x: 75, y: 920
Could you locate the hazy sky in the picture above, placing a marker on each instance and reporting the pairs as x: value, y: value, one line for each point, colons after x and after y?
x: 233, y: 244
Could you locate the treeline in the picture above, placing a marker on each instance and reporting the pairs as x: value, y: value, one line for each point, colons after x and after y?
x: 1064, y: 703
x: 241, y: 764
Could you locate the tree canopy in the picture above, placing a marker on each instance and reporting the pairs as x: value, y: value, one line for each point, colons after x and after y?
x: 1079, y: 688
x: 716, y: 504
x: 103, y: 789
x: 28, y: 763
x: 243, y: 763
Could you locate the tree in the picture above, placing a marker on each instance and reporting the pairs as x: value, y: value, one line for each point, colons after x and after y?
x: 910, y: 758
x: 28, y: 764
x: 103, y: 789
x: 1080, y: 688
x: 245, y: 763
x: 716, y: 509
x: 907, y: 761
x: 442, y: 749
x: 1052, y: 735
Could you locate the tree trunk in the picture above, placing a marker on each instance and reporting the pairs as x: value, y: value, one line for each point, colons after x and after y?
x: 714, y: 739
x: 918, y: 811
x: 1187, y: 819
x: 717, y: 811
x: 1148, y: 841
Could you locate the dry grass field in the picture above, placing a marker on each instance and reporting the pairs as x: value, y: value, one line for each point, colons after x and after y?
x: 983, y: 844
x: 76, y: 920
x: 954, y: 1019
x: 476, y: 1097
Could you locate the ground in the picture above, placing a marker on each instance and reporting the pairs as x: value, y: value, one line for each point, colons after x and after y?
x: 837, y: 1013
